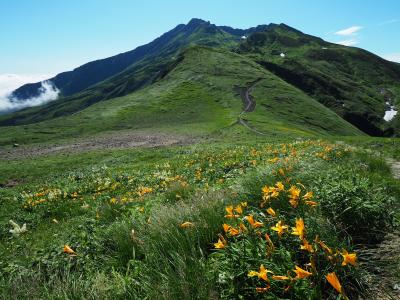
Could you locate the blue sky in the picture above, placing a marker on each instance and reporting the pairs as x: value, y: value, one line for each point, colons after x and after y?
x: 45, y: 37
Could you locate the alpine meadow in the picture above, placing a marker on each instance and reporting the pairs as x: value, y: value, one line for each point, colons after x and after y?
x: 210, y: 163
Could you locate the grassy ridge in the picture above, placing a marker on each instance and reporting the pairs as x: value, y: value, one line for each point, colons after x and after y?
x: 196, y: 97
x: 350, y: 81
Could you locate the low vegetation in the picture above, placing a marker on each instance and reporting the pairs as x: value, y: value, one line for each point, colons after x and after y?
x: 277, y: 220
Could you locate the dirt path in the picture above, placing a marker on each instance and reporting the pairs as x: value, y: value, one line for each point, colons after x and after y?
x: 383, y: 260
x: 395, y: 167
x: 249, y: 104
x: 383, y: 263
x: 118, y: 140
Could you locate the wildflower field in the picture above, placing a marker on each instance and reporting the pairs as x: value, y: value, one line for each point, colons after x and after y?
x: 251, y: 220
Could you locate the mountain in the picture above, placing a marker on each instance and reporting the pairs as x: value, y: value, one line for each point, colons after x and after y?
x: 305, y: 85
x: 352, y: 82
x: 196, y: 31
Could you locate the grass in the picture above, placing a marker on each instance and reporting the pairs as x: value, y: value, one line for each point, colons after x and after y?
x: 124, y: 220
x: 186, y: 102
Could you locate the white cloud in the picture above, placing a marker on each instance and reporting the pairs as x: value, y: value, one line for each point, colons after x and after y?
x: 9, y: 82
x: 353, y: 30
x: 349, y: 42
x: 392, y: 57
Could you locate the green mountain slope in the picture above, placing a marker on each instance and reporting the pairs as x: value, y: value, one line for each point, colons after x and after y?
x: 339, y: 84
x: 352, y: 82
x: 71, y: 82
x: 197, y: 96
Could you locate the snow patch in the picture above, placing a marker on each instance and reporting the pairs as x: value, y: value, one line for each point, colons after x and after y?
x: 390, y: 114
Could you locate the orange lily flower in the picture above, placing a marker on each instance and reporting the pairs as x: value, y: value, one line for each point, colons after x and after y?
x: 323, y: 245
x: 349, y: 258
x: 301, y: 273
x: 308, y: 196
x: 299, y: 229
x: 280, y: 187
x: 334, y: 282
x: 67, y: 249
x: 261, y: 274
x: 271, y: 212
x: 253, y: 223
x: 220, y: 244
x: 311, y: 203
x: 279, y: 228
x: 280, y: 278
x: 186, y: 224
x: 306, y: 246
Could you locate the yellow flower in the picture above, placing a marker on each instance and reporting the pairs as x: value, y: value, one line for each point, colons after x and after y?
x: 323, y: 245
x: 230, y: 210
x: 308, y: 196
x: 186, y: 224
x: 271, y: 212
x: 306, y: 246
x: 270, y: 245
x: 144, y: 190
x: 279, y: 228
x: 238, y: 209
x: 279, y: 277
x: 279, y: 185
x: 334, y: 281
x: 231, y: 230
x: 294, y: 192
x: 226, y: 227
x: 294, y: 196
x: 273, y: 160
x: 243, y: 204
x: 253, y: 223
x: 220, y: 244
x: 262, y: 273
x: 299, y: 229
x: 67, y: 249
x: 301, y: 273
x: 311, y: 203
x: 242, y: 227
x: 266, y: 190
x: 349, y: 258
x: 275, y: 192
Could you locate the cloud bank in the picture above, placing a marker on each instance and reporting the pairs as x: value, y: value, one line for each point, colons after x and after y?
x: 9, y: 82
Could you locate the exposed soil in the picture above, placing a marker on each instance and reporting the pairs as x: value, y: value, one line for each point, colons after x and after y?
x: 395, y: 167
x: 249, y: 104
x: 118, y: 140
x: 383, y: 261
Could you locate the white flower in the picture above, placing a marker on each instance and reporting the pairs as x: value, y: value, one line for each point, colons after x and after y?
x: 17, y: 230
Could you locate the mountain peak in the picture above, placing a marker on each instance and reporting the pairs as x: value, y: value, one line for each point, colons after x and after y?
x: 196, y: 22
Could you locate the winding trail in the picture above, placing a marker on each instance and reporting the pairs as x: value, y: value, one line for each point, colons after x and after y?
x: 249, y: 104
